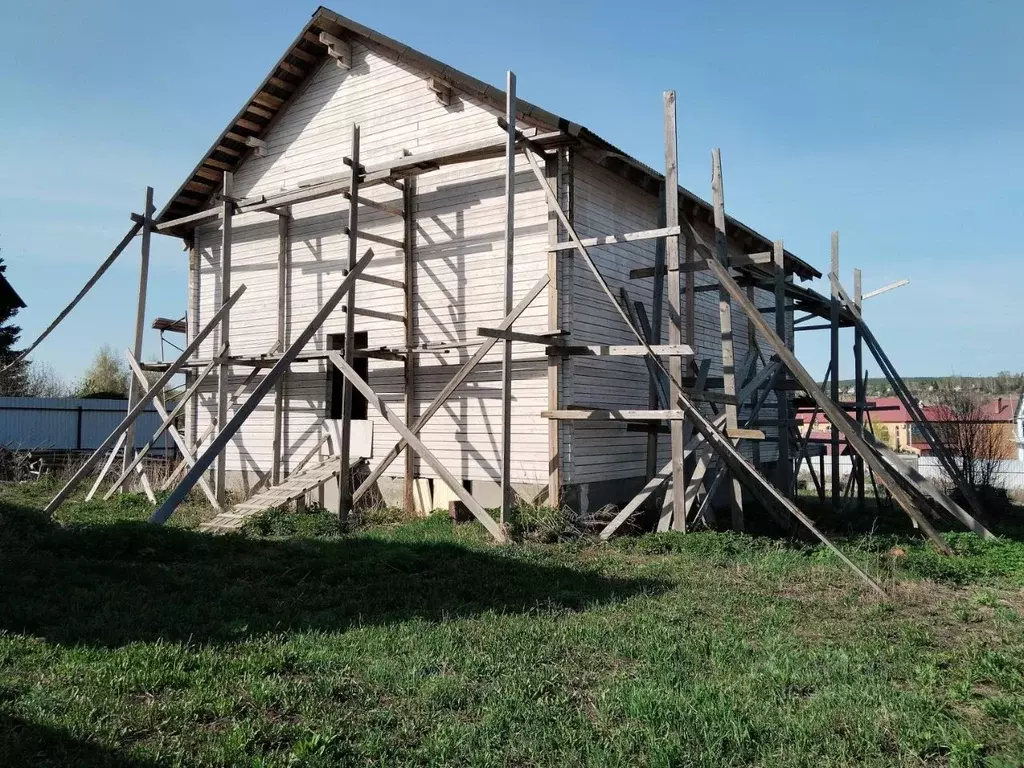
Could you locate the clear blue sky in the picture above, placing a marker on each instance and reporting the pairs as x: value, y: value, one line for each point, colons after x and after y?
x: 899, y: 124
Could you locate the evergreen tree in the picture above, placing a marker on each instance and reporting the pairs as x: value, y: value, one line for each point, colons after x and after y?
x: 12, y: 381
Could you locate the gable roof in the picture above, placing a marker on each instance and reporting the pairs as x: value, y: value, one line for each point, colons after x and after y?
x: 306, y: 53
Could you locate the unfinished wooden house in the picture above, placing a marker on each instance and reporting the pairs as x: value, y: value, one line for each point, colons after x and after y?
x: 437, y: 275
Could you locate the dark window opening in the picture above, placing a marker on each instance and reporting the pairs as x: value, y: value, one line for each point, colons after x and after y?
x: 336, y: 382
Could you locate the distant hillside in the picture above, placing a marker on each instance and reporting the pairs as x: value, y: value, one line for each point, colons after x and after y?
x: 1003, y: 383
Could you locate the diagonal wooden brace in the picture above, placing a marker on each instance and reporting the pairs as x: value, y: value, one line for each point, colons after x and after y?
x: 417, y: 445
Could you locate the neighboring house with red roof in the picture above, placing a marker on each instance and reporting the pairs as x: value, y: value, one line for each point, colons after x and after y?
x: 891, y: 423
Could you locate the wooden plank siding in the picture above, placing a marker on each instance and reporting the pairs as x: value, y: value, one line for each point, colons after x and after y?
x: 605, y: 203
x: 458, y: 263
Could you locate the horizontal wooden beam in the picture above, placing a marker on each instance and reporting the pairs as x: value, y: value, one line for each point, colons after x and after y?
x: 375, y: 205
x: 378, y: 280
x: 697, y: 265
x: 624, y: 350
x: 620, y: 414
x: 551, y: 338
x: 360, y: 235
x: 629, y: 237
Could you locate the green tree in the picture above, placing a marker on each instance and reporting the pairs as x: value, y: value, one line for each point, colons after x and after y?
x: 107, y: 375
x: 12, y: 380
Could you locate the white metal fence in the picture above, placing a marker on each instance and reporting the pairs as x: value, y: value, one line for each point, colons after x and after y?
x: 1009, y: 472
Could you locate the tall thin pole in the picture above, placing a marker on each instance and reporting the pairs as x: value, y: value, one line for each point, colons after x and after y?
x: 409, y: 263
x: 834, y: 352
x: 224, y: 371
x: 140, y: 321
x: 725, y: 322
x: 672, y: 287
x: 784, y: 469
x: 859, y: 385
x: 506, y: 360
x: 344, y: 450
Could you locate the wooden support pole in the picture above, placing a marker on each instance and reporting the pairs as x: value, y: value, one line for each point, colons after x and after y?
x: 859, y: 387
x: 672, y: 287
x: 144, y: 399
x: 654, y: 337
x: 283, y: 263
x: 783, y: 466
x: 259, y: 392
x: 725, y: 321
x: 224, y: 371
x: 834, y: 354
x: 506, y: 358
x: 752, y: 351
x: 140, y: 319
x: 449, y: 388
x: 554, y: 363
x: 409, y: 265
x: 345, y: 449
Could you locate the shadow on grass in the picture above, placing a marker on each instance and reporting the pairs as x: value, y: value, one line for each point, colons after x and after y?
x: 25, y: 743
x: 113, y: 584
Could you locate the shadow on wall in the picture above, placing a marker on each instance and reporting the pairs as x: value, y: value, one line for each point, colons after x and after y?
x: 110, y: 585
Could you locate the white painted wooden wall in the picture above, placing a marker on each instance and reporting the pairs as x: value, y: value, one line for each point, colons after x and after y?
x: 459, y: 262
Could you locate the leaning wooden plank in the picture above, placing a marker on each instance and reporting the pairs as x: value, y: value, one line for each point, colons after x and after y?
x: 266, y: 383
x: 725, y: 321
x: 835, y: 414
x: 144, y: 399
x: 178, y: 440
x: 164, y: 425
x: 106, y: 468
x: 492, y: 526
x: 451, y: 386
x: 628, y: 237
x: 78, y: 297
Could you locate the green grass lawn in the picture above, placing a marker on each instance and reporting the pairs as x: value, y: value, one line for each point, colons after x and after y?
x: 422, y: 644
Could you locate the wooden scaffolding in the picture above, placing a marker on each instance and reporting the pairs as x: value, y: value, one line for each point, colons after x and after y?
x: 708, y: 419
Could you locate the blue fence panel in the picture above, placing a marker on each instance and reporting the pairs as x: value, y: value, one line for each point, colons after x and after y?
x: 69, y: 423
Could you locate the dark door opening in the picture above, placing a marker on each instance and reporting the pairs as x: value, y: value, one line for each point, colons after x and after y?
x: 336, y: 382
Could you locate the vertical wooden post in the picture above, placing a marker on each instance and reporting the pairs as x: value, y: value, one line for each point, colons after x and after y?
x: 834, y: 352
x: 725, y: 321
x: 783, y: 466
x: 224, y: 371
x: 506, y: 360
x: 344, y: 450
x: 409, y: 264
x: 755, y: 445
x: 554, y: 362
x: 282, y: 343
x: 675, y: 332
x: 657, y: 309
x: 859, y: 385
x: 140, y: 321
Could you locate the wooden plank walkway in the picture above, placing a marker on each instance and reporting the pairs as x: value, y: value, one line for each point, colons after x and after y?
x: 294, y: 487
